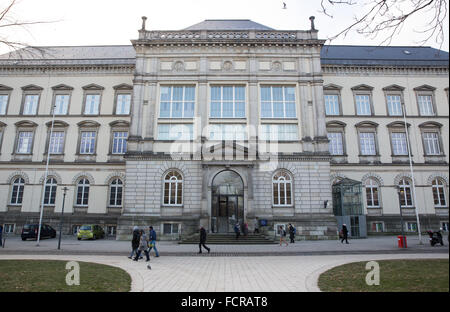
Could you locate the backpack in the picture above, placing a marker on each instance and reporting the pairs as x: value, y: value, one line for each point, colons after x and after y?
x: 284, y: 232
x: 295, y: 230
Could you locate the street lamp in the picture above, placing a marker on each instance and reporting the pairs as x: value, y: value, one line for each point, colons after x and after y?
x: 400, y: 194
x: 62, y: 215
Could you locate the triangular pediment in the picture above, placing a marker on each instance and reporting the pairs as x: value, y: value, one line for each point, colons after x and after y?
x: 93, y: 86
x: 62, y: 87
x: 393, y: 87
x: 362, y: 87
x: 332, y: 86
x: 425, y: 88
x: 32, y: 87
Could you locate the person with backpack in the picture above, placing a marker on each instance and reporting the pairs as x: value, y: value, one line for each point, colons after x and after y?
x: 283, y: 236
x: 134, y: 242
x: 344, y: 233
x: 237, y: 230
x: 292, y: 233
x: 152, y: 240
x: 143, y: 246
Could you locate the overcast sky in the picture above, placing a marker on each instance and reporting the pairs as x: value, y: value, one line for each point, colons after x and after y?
x: 111, y: 22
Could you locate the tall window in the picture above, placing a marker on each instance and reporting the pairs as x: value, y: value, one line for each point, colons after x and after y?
x: 394, y: 104
x: 87, y: 143
x: 363, y: 104
x: 17, y: 191
x: 83, y: 192
x: 50, y: 192
x: 3, y: 103
x: 56, y: 145
x: 30, y: 104
x: 372, y: 194
x: 405, y: 193
x: 278, y: 102
x: 91, y: 106
x: 331, y: 104
x: 119, y: 142
x: 175, y: 132
x: 279, y: 132
x: 25, y: 142
x: 115, y: 193
x: 399, y: 146
x: 425, y: 105
x: 367, y: 143
x: 335, y: 145
x: 431, y: 143
x: 439, y: 193
x: 282, y: 189
x: 173, y: 189
x: 177, y: 102
x: 123, y: 104
x: 61, y: 104
x: 236, y: 132
x: 227, y: 102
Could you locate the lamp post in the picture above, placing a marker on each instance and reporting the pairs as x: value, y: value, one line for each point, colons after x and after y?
x: 62, y: 216
x: 400, y: 194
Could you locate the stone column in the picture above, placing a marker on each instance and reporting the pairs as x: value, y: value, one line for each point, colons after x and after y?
x: 305, y: 120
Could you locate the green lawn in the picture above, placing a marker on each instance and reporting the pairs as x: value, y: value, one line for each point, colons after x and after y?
x: 50, y: 276
x: 395, y: 276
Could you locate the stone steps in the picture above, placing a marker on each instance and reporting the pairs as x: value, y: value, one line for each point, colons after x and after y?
x: 229, y: 239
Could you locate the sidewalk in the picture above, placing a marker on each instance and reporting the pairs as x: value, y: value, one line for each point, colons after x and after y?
x: 373, y: 245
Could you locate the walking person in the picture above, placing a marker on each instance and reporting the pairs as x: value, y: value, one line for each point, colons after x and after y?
x: 344, y: 234
x: 152, y: 241
x: 237, y: 230
x: 283, y: 236
x: 291, y: 233
x: 256, y: 227
x: 203, y: 240
x: 1, y: 235
x: 143, y: 246
x: 134, y: 242
x: 245, y: 229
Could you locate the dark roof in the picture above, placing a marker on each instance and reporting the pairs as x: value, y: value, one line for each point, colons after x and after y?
x: 375, y: 55
x: 238, y: 24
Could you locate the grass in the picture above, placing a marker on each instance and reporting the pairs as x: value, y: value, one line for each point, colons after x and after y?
x: 395, y: 276
x: 50, y: 276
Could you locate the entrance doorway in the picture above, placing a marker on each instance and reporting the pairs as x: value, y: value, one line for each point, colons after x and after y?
x: 227, y: 202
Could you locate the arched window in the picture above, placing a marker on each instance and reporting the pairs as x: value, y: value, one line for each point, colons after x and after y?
x: 372, y: 193
x: 405, y: 193
x: 83, y: 192
x: 50, y: 192
x: 282, y: 189
x: 439, y: 193
x: 115, y: 193
x: 17, y: 191
x: 173, y: 188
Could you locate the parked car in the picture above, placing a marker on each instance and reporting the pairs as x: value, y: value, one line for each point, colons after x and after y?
x: 31, y: 231
x: 90, y: 231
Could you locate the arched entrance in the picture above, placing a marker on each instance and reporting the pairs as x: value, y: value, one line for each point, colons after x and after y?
x: 227, y: 201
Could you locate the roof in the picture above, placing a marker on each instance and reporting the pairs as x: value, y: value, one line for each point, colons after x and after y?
x: 224, y: 24
x: 376, y: 55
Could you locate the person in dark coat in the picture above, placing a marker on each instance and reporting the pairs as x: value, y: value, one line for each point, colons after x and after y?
x: 203, y: 240
x: 237, y: 230
x: 1, y: 235
x: 291, y: 233
x: 344, y: 234
x: 135, y: 242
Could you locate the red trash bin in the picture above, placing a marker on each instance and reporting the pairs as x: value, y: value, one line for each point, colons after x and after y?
x: 402, y: 241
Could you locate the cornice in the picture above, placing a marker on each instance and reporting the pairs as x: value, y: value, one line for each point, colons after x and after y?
x: 383, y: 70
x: 58, y: 69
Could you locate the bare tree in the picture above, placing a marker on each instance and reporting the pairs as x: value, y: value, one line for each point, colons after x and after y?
x: 387, y: 18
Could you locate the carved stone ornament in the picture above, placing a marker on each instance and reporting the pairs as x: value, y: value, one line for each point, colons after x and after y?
x: 227, y: 65
x: 276, y: 66
x: 178, y: 66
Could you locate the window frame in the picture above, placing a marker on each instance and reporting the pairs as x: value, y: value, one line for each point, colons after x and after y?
x: 110, y: 192
x: 177, y: 183
x: 283, y: 86
x: 285, y: 183
x: 221, y: 86
x: 374, y: 184
x: 83, y: 192
x: 87, y: 126
x: 27, y: 91
x: 122, y: 89
x: 21, y: 187
x: 426, y: 90
x: 58, y: 90
x: 361, y: 90
x: 183, y: 101
x: 403, y: 185
x: 92, y: 89
x: 6, y: 91
x: 53, y: 189
x: 443, y: 187
x: 335, y: 90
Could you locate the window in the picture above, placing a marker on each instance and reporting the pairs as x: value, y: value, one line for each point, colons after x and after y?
x: 30, y: 104
x: 171, y: 228
x: 425, y: 105
x: 24, y: 142
x: 177, y: 102
x: 9, y: 228
x: 119, y: 142
x: 279, y: 132
x: 92, y: 103
x: 61, y: 104
x: 399, y: 146
x: 394, y: 103
x: 3, y: 103
x: 282, y: 189
x: 56, y: 145
x: 331, y: 104
x: 123, y: 104
x: 83, y: 192
x: 372, y: 194
x: 445, y: 226
x: 17, y: 191
x: 50, y: 192
x: 363, y: 104
x: 335, y: 145
x: 367, y: 143
x: 278, y: 102
x: 377, y: 227
x: 87, y: 143
x: 173, y: 189
x: 405, y: 194
x: 227, y: 102
x: 233, y: 132
x: 111, y: 230
x: 439, y: 193
x: 115, y: 193
x: 431, y: 143
x: 411, y: 226
x: 175, y: 132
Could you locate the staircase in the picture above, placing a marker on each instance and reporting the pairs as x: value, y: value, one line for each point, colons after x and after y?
x: 229, y: 239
